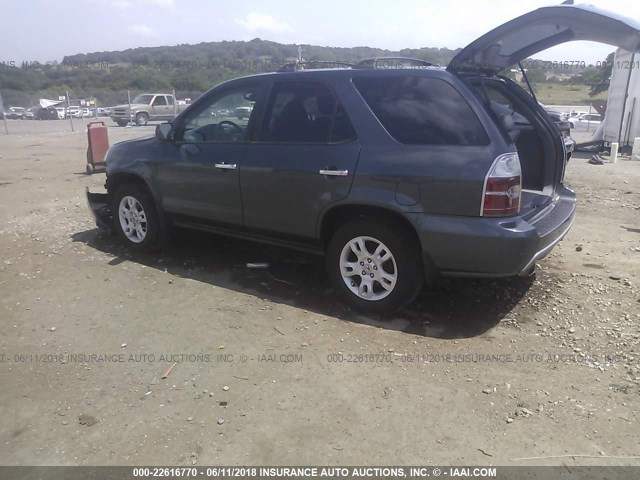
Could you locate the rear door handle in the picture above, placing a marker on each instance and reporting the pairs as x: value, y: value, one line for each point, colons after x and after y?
x: 335, y: 173
x: 226, y: 166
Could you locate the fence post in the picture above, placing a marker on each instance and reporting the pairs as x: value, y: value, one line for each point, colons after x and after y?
x: 68, y: 108
x: 4, y: 118
x: 130, y: 111
x: 175, y: 103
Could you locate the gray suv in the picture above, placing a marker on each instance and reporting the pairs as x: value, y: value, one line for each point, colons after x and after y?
x: 396, y: 174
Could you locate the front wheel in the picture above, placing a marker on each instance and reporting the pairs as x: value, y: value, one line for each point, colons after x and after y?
x: 376, y: 267
x: 135, y: 217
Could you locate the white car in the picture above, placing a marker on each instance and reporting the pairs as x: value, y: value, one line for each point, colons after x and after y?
x: 74, y: 112
x: 585, y: 120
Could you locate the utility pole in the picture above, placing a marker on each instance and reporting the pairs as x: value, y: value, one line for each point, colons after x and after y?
x: 130, y: 112
x: 4, y: 117
x: 175, y: 106
x: 69, y: 108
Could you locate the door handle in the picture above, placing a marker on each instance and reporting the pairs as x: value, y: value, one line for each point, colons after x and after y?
x: 226, y: 166
x: 334, y: 173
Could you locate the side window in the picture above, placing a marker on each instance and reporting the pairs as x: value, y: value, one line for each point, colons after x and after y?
x: 159, y: 101
x: 169, y: 100
x: 418, y: 110
x: 221, y: 118
x: 305, y: 112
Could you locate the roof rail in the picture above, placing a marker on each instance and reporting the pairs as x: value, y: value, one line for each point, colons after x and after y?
x: 392, y: 62
x: 311, y: 64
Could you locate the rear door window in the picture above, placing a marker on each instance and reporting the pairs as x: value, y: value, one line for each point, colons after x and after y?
x: 305, y: 112
x: 417, y: 110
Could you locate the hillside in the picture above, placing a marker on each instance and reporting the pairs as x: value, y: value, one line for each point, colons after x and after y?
x: 189, y: 69
x: 193, y: 69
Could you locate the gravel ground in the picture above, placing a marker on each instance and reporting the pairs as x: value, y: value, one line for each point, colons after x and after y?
x: 271, y: 369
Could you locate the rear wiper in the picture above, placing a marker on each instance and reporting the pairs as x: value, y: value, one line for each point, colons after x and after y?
x: 526, y: 79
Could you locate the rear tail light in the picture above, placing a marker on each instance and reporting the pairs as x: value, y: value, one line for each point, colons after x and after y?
x: 502, y: 187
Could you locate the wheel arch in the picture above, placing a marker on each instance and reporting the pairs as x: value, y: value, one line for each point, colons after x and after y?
x: 338, y: 215
x: 116, y: 179
x: 141, y: 179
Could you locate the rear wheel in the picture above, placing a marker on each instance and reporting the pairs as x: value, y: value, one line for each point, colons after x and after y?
x: 135, y: 217
x: 375, y: 267
x: 142, y: 119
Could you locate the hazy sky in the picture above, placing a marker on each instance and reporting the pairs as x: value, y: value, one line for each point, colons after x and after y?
x: 46, y: 30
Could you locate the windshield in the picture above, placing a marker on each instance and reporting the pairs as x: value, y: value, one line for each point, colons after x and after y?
x: 145, y: 99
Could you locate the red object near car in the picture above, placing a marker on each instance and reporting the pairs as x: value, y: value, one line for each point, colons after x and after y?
x: 98, y: 145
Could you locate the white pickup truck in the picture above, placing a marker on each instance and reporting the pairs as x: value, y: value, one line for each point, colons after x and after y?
x: 145, y: 108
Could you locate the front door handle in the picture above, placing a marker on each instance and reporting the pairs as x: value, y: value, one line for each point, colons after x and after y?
x: 226, y: 166
x: 335, y: 173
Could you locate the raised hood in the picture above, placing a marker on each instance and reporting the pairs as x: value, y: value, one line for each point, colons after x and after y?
x: 544, y: 28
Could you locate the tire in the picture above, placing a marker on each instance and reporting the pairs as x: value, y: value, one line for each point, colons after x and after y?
x: 121, y: 123
x: 90, y: 169
x: 142, y: 119
x: 133, y: 204
x: 404, y: 277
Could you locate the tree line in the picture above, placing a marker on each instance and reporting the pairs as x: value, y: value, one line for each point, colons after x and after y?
x: 190, y: 70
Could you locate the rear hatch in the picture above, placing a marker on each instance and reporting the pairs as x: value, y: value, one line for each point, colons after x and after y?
x: 541, y: 29
x: 540, y: 146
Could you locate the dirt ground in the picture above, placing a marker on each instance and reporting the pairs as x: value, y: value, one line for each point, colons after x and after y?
x: 272, y: 369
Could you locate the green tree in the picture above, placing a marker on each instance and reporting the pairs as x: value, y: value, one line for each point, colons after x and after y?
x: 601, y: 80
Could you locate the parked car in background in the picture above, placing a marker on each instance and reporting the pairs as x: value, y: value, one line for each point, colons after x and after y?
x: 47, y: 113
x: 560, y: 119
x: 14, y: 113
x: 395, y: 175
x: 575, y: 114
x: 145, y: 108
x: 243, y: 112
x: 585, y: 120
x: 30, y: 113
x: 104, y: 111
x: 73, y: 112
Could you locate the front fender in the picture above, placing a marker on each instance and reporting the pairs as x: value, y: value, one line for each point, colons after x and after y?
x: 134, y: 161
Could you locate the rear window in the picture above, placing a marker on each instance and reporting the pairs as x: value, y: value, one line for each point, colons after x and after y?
x: 422, y: 111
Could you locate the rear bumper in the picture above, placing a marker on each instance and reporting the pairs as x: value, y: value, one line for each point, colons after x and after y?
x: 100, y: 208
x: 493, y: 247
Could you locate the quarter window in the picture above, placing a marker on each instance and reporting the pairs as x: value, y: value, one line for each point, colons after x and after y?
x: 417, y: 110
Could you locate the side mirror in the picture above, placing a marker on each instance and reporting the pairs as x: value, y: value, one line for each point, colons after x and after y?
x: 164, y: 132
